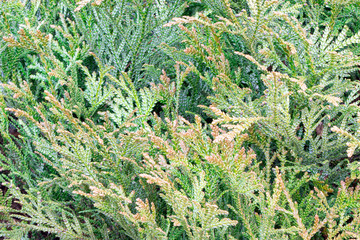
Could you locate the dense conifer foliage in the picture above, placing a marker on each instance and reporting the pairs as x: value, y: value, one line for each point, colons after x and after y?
x: 179, y: 119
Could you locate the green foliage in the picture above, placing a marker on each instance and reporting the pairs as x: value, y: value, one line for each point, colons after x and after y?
x: 170, y: 119
x: 127, y: 34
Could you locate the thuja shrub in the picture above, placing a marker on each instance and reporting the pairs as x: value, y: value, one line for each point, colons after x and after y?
x: 168, y: 119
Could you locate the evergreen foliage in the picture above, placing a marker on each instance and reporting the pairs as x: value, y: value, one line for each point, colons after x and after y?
x: 169, y: 119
